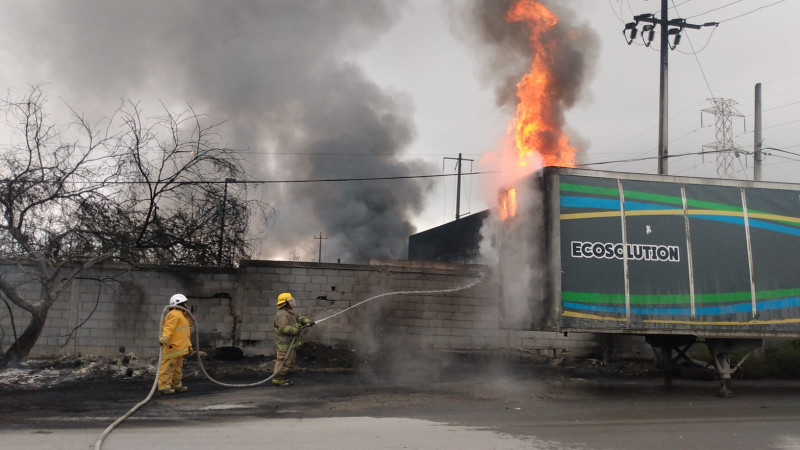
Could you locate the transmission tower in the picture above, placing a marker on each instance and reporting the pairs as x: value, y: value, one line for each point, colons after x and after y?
x: 724, y: 110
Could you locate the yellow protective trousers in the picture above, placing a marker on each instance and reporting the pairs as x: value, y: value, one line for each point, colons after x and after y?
x: 171, y: 373
x: 287, y: 357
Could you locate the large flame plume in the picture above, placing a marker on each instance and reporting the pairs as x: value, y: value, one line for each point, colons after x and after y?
x: 538, y: 137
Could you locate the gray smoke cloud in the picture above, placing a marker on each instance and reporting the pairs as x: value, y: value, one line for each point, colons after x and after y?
x: 281, y: 74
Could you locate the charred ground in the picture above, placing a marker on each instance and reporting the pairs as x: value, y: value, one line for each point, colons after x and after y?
x: 76, y: 391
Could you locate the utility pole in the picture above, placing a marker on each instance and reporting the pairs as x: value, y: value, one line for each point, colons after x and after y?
x: 458, y: 184
x: 222, y: 220
x: 663, y: 95
x: 668, y: 27
x: 758, y: 141
x: 319, y: 259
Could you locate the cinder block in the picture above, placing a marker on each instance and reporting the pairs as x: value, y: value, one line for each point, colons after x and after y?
x: 56, y: 323
x: 302, y: 279
x: 319, y: 279
x: 461, y: 316
x: 258, y: 336
x: 285, y: 278
x: 465, y: 324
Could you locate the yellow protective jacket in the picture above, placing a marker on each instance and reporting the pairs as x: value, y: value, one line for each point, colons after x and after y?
x: 176, y: 334
x: 287, y: 325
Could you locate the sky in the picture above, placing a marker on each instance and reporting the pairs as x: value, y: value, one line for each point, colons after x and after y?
x: 617, y: 118
x: 353, y: 89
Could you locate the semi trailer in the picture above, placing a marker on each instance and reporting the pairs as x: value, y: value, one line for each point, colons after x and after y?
x: 680, y: 260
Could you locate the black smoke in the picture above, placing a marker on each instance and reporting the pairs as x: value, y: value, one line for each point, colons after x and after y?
x: 280, y: 72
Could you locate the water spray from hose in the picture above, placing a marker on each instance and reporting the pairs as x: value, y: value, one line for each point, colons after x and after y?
x: 437, y: 291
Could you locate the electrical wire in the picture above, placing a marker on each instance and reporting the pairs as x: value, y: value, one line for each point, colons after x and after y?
x: 784, y: 157
x: 778, y: 125
x: 693, y: 166
x: 708, y: 85
x: 421, y: 155
x: 743, y: 169
x: 670, y: 142
x: 649, y: 158
x: 782, y: 77
x: 781, y: 150
x: 715, y: 9
x: 614, y: 10
x: 672, y: 7
x: 751, y: 12
x: 320, y: 180
x: 775, y: 107
x: 695, y: 52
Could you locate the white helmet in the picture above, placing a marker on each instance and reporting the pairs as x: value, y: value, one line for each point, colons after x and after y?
x: 177, y: 299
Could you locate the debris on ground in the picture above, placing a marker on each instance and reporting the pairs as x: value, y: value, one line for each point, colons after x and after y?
x: 46, y: 374
x: 37, y: 374
x: 49, y: 373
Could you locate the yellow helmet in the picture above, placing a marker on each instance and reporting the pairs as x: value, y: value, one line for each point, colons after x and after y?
x: 283, y: 299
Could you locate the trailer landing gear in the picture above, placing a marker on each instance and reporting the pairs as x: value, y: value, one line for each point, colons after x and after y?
x: 722, y: 350
x: 670, y: 349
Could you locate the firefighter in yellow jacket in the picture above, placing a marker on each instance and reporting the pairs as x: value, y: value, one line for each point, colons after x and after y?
x: 175, y: 343
x: 288, y: 324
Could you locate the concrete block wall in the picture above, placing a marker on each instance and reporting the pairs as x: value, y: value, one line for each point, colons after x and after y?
x: 112, y: 306
x: 466, y: 319
x: 116, y: 306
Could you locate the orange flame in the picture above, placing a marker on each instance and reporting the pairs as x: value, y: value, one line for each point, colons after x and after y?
x: 508, y: 203
x: 535, y: 128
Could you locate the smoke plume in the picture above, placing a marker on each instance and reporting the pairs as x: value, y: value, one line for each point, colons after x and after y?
x: 561, y: 54
x: 280, y: 73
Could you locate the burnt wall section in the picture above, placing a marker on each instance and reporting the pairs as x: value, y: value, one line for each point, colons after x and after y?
x: 115, y: 306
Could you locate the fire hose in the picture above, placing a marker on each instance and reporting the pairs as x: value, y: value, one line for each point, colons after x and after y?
x: 98, y: 445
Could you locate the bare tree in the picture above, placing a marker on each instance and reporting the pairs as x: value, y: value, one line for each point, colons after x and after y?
x: 141, y: 191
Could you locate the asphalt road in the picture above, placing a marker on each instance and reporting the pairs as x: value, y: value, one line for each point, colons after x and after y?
x: 506, y: 407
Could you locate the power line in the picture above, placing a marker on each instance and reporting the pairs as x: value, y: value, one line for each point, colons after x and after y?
x: 784, y: 157
x: 771, y: 126
x: 715, y: 9
x: 751, y: 12
x: 618, y: 16
x: 436, y: 155
x: 650, y: 158
x: 777, y: 107
x: 782, y: 150
x: 694, y: 53
x: 671, y: 141
x: 673, y: 7
x: 321, y: 180
x: 780, y: 124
